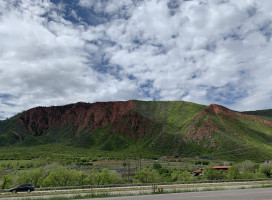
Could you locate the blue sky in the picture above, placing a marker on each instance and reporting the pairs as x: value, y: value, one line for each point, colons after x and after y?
x: 204, y: 51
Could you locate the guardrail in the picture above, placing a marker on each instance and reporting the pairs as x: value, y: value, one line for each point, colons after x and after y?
x: 142, y: 184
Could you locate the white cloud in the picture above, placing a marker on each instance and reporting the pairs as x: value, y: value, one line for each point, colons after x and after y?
x: 198, y: 51
x: 205, y: 44
x: 47, y: 63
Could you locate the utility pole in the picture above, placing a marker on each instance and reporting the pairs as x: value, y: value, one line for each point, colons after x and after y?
x: 140, y: 161
x: 129, y: 170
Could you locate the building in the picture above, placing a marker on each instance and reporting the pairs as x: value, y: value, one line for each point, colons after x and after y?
x: 200, y: 170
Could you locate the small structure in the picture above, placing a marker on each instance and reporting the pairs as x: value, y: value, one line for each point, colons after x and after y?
x: 166, y: 157
x: 200, y: 170
x: 221, y: 167
x: 170, y: 158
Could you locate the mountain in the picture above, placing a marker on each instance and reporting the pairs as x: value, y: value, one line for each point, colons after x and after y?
x: 161, y: 127
x: 265, y: 114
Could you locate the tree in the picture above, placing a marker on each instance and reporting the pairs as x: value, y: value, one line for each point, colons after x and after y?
x: 181, y: 176
x: 103, y: 178
x: 35, y: 177
x: 80, y: 178
x: 266, y: 169
x: 165, y: 174
x: 108, y: 177
x: 147, y: 176
x: 246, y: 169
x: 247, y: 175
x: 233, y: 173
x: 246, y: 165
x: 213, y: 174
x: 92, y: 178
x: 157, y: 166
x: 60, y: 177
x: 6, y: 181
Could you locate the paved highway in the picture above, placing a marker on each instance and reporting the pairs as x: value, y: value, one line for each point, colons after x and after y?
x: 244, y: 194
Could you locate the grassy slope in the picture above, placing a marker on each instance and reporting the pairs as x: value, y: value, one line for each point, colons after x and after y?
x: 239, y: 140
x: 243, y: 139
x: 174, y: 114
x: 265, y: 114
x: 171, y: 114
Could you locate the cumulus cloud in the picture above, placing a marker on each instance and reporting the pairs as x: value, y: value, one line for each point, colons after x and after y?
x: 205, y: 52
x: 47, y: 61
x: 58, y: 52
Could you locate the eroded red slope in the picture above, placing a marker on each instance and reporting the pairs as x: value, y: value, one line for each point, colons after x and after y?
x: 202, y: 126
x: 79, y: 115
x: 88, y: 117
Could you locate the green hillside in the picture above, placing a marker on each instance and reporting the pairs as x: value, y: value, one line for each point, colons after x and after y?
x: 172, y: 113
x: 146, y: 128
x: 265, y: 114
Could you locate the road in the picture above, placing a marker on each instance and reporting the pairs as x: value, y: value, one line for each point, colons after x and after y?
x: 244, y: 194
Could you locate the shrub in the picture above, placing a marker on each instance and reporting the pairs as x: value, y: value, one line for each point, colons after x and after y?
x: 108, y: 177
x: 198, y: 162
x: 157, y: 166
x: 246, y: 165
x: 205, y: 162
x: 147, y: 176
x: 266, y: 169
x: 233, y: 173
x: 60, y: 177
x: 35, y: 177
x: 103, y: 178
x: 212, y: 174
x: 181, y: 176
x: 7, y: 181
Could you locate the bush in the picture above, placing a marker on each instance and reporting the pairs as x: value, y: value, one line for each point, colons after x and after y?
x: 181, y: 176
x: 35, y: 177
x: 259, y: 175
x: 165, y: 175
x: 233, y: 173
x: 60, y: 177
x: 103, y: 178
x: 157, y: 166
x: 213, y: 174
x: 266, y: 169
x: 246, y: 166
x: 198, y: 162
x: 205, y: 162
x: 108, y: 177
x: 247, y: 175
x: 7, y: 181
x: 147, y: 176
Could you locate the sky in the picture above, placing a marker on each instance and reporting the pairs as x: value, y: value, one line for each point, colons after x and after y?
x: 57, y: 52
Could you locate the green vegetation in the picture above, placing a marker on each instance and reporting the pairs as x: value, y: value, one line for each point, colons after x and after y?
x: 265, y: 114
x: 125, y: 150
x: 52, y: 174
x: 153, y: 129
x: 174, y: 114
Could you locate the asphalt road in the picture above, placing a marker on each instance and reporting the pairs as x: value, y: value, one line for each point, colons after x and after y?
x: 244, y: 194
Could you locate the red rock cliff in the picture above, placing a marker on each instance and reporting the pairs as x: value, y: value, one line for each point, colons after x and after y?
x: 80, y: 115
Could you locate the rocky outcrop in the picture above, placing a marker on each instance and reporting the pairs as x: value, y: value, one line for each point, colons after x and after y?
x: 84, y: 116
x: 76, y: 116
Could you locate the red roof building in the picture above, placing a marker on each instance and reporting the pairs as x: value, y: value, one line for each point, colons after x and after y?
x: 199, y: 171
x: 221, y: 167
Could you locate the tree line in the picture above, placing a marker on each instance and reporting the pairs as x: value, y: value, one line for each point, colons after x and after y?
x: 61, y: 176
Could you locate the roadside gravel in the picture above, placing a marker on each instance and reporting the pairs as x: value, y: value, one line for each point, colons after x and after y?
x: 136, y: 190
